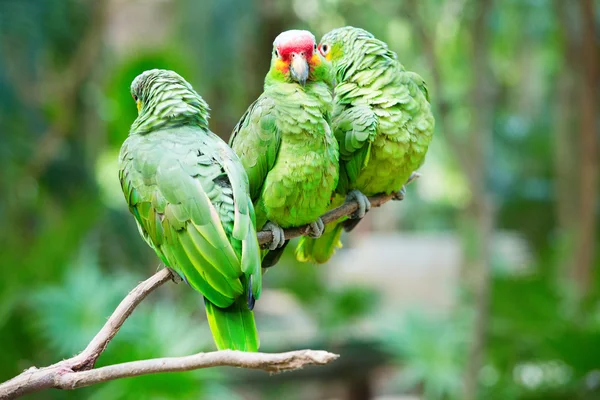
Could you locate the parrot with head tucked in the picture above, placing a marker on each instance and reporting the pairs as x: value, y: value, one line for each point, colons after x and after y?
x: 382, y: 120
x: 189, y: 195
x: 285, y: 142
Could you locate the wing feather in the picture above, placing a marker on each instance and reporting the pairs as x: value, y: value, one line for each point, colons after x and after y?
x: 256, y: 141
x: 191, y: 203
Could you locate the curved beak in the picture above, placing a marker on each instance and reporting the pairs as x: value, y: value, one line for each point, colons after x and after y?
x: 299, y: 68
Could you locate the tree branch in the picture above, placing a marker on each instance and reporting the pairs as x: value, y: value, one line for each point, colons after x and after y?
x: 78, y: 371
x: 346, y: 209
x: 62, y: 377
x: 87, y: 358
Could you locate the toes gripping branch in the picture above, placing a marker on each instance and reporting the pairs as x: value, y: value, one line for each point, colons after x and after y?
x: 364, y: 204
x: 278, y: 235
x: 402, y: 192
x: 316, y: 228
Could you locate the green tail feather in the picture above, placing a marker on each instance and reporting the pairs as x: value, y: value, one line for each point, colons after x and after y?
x: 233, y: 327
x: 320, y: 250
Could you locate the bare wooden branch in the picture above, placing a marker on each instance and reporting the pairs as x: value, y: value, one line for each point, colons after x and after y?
x: 346, y: 209
x: 87, y: 358
x: 78, y: 371
x: 35, y: 379
x: 61, y: 377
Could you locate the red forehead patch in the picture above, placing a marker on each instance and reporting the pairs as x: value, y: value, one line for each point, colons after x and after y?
x: 295, y: 41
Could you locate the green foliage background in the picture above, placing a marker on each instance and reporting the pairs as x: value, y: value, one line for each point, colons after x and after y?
x: 69, y: 251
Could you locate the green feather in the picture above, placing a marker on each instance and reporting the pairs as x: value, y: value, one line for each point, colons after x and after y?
x: 233, y: 327
x: 320, y: 250
x: 189, y: 194
x: 287, y: 147
x: 381, y: 118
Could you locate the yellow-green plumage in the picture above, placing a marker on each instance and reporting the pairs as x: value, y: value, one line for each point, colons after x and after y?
x: 320, y: 250
x: 381, y: 118
x: 286, y: 145
x: 189, y: 195
x: 289, y: 152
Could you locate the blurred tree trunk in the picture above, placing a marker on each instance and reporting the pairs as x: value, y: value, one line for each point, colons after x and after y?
x: 57, y: 164
x: 576, y: 157
x: 472, y: 152
x: 274, y: 19
x: 479, y: 214
x: 586, y: 233
x: 566, y: 144
x: 359, y: 388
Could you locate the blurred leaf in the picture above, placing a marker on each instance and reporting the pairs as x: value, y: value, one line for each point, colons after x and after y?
x: 431, y: 352
x: 70, y: 315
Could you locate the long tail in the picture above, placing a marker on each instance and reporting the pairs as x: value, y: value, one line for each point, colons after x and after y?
x: 320, y: 250
x: 233, y: 327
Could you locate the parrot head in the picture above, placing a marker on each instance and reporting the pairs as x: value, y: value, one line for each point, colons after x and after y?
x: 337, y: 45
x: 163, y: 98
x: 295, y: 58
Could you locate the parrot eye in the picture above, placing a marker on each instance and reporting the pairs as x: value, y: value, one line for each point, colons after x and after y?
x: 315, y: 47
x: 134, y: 97
x: 276, y: 53
x: 324, y: 49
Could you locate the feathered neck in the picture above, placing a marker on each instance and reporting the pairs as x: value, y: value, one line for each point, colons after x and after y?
x: 170, y: 104
x: 364, y: 52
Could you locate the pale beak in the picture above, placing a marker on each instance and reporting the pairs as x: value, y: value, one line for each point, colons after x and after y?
x: 139, y: 105
x: 299, y: 68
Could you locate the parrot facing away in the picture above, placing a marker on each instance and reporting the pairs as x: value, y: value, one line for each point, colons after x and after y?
x: 285, y: 142
x: 189, y: 195
x: 382, y: 120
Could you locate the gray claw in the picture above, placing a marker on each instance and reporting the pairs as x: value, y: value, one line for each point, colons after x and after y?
x: 278, y: 235
x: 413, y: 177
x: 176, y: 278
x: 364, y: 204
x: 399, y: 195
x: 316, y: 228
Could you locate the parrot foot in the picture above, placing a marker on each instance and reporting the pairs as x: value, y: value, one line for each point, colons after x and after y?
x: 175, y: 277
x: 413, y: 177
x: 364, y: 204
x: 316, y: 228
x: 399, y: 195
x: 278, y: 235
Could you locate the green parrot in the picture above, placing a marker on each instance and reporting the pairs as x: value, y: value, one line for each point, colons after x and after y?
x: 382, y: 120
x: 189, y: 195
x: 285, y: 142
